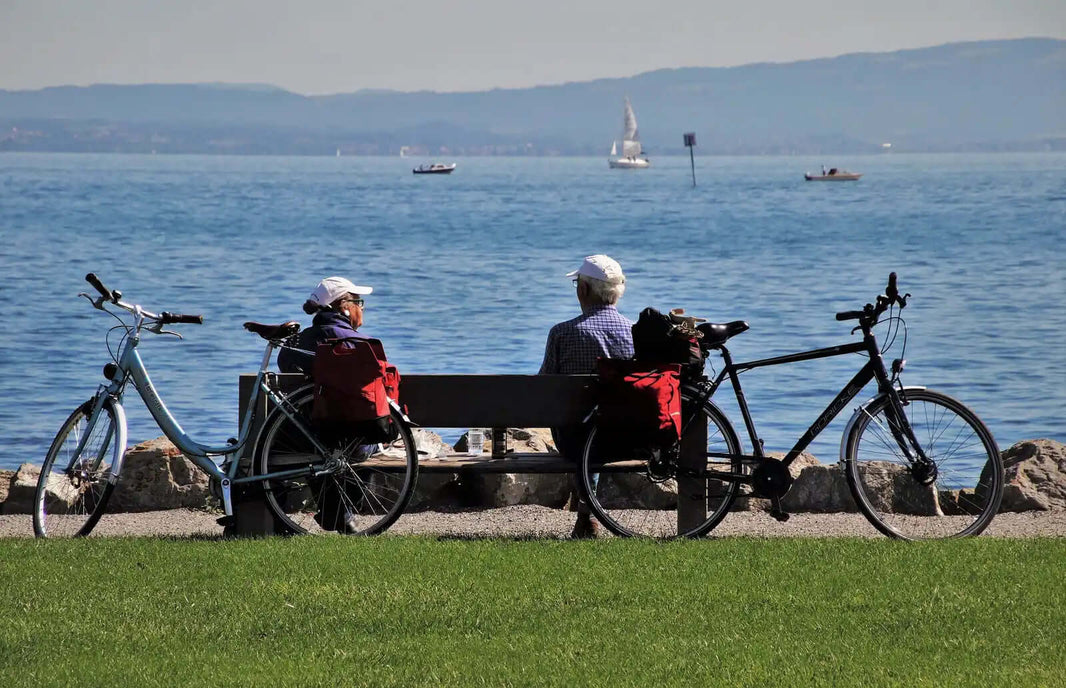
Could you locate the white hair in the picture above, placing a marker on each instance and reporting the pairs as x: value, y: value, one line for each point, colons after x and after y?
x: 604, y: 292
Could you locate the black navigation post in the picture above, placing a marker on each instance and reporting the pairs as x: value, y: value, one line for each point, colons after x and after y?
x: 690, y: 141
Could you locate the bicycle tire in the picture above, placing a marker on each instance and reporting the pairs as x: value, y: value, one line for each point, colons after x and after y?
x: 360, y: 494
x: 634, y: 503
x: 959, y: 500
x: 73, y: 489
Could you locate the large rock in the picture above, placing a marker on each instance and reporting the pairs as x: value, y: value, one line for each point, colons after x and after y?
x: 5, y: 484
x: 635, y: 491
x: 1035, y: 476
x: 21, y: 490
x: 521, y: 440
x: 893, y: 489
x: 156, y: 475
x: 429, y: 444
x: 818, y: 488
x: 491, y: 490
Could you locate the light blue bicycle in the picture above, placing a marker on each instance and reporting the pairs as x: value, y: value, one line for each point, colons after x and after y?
x: 311, y: 481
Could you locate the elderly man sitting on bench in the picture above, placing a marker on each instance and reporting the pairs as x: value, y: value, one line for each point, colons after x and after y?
x: 574, y: 346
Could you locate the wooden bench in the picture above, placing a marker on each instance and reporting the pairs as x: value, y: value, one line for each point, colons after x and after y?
x: 483, y: 401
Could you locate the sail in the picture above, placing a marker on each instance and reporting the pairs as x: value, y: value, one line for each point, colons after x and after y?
x: 630, y: 137
x: 631, y: 149
x: 629, y: 124
x: 614, y: 148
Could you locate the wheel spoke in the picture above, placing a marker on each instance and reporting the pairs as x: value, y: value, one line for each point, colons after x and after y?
x: 647, y: 498
x: 345, y: 495
x: 898, y: 497
x: 73, y: 488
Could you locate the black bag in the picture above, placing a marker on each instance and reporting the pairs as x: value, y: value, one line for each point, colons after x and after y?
x: 659, y: 339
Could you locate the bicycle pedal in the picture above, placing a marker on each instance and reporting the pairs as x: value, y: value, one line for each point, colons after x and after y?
x: 779, y: 515
x: 226, y: 521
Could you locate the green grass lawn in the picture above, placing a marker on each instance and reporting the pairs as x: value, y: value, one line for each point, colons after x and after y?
x: 405, y: 611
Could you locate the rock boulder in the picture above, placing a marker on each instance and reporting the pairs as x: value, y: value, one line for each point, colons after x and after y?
x: 22, y: 488
x: 1035, y: 476
x: 5, y: 484
x: 156, y: 475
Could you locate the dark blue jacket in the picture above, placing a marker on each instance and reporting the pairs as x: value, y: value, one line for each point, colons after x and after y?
x: 326, y: 325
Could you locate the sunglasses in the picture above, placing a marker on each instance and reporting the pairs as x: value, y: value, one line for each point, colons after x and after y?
x: 352, y: 299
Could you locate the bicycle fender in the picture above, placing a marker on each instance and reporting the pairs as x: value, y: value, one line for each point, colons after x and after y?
x: 119, y: 450
x: 850, y: 427
x: 399, y: 409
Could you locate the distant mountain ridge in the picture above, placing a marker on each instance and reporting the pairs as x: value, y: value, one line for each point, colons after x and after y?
x: 984, y: 95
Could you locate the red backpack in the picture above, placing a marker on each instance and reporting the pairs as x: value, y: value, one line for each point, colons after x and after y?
x: 353, y: 384
x: 640, y: 403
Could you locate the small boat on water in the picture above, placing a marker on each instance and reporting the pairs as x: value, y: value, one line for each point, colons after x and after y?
x: 833, y: 175
x: 435, y: 168
x: 632, y: 157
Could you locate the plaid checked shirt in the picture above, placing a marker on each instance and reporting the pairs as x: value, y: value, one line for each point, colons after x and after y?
x: 573, y: 346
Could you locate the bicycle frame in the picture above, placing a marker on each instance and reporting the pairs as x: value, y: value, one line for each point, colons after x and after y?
x: 131, y: 367
x: 874, y: 369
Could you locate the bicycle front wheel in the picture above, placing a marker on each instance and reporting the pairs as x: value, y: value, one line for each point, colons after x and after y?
x: 354, y: 487
x: 955, y: 494
x: 74, y: 487
x: 633, y: 497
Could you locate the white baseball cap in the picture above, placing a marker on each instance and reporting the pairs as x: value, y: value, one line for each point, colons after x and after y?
x: 332, y: 288
x: 600, y: 267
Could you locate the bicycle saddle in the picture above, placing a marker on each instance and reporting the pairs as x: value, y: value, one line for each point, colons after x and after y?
x: 285, y: 329
x: 716, y: 334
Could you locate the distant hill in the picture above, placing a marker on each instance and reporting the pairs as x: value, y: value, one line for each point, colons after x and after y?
x: 986, y: 95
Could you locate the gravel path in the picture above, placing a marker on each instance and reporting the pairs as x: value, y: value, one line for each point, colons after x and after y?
x: 536, y: 521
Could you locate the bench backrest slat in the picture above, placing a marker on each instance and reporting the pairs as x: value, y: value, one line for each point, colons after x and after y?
x: 458, y: 401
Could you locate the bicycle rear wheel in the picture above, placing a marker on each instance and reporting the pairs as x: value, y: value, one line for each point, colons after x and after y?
x: 74, y: 487
x: 355, y: 488
x: 956, y: 496
x: 632, y: 497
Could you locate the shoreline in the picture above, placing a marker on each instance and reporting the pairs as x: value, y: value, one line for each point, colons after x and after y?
x: 538, y: 522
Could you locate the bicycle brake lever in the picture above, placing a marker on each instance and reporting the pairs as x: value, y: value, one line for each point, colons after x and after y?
x: 97, y: 303
x: 158, y: 329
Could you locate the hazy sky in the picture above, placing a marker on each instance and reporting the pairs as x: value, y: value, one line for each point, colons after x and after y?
x: 336, y: 46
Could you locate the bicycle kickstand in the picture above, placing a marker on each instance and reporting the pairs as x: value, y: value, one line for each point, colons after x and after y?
x: 776, y: 511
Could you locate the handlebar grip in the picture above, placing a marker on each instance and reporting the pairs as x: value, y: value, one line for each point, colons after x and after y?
x: 849, y: 315
x: 167, y: 318
x: 92, y: 279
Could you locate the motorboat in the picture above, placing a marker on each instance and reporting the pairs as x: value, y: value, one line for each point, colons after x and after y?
x: 435, y: 168
x: 632, y: 157
x: 832, y: 175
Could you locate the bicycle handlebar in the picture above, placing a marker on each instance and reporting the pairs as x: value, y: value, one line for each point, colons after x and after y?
x: 111, y: 296
x: 167, y: 318
x: 115, y: 297
x: 870, y: 312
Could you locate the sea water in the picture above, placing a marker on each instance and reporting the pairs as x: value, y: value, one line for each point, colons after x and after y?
x: 468, y: 272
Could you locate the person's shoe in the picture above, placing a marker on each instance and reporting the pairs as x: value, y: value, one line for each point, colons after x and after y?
x: 586, y: 528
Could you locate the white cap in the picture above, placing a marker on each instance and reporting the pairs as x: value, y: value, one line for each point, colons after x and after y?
x: 600, y: 267
x: 332, y: 288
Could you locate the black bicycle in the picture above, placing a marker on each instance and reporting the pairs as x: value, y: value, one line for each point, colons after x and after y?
x: 919, y: 464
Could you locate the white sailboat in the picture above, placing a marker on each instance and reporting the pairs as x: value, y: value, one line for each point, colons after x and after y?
x: 632, y: 157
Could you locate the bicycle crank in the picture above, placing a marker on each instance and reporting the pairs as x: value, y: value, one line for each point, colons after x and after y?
x: 771, y: 479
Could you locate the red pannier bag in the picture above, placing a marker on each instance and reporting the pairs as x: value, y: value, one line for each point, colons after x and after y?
x: 639, y: 404
x: 353, y: 384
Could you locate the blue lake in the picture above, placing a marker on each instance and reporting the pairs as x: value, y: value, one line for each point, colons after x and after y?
x: 467, y: 271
